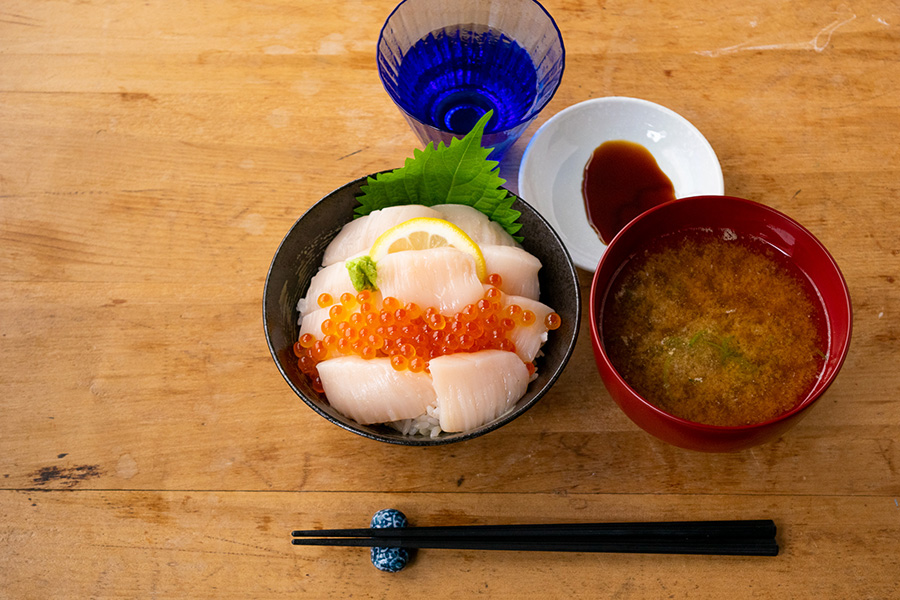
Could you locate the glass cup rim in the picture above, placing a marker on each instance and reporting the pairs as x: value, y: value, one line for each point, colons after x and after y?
x: 524, y: 120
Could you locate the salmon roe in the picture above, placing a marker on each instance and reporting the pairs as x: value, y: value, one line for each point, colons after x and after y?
x: 409, y: 335
x: 325, y: 300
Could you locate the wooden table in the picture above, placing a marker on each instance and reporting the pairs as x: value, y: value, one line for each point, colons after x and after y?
x: 155, y: 153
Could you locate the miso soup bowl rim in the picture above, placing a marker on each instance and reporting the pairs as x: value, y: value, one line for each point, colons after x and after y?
x: 598, y: 297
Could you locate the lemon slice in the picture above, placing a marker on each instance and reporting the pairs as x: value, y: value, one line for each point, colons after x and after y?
x: 424, y: 233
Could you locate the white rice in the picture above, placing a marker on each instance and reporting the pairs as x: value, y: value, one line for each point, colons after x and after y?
x: 428, y: 424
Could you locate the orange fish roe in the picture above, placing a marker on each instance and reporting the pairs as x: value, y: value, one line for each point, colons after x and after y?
x: 348, y: 300
x: 410, y: 335
x: 413, y: 310
x: 325, y: 300
x: 552, y: 321
x: 328, y: 327
x: 390, y: 304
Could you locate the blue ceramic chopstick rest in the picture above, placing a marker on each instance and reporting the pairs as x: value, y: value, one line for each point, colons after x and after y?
x: 389, y: 559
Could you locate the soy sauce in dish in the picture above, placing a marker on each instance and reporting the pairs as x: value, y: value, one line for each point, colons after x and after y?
x: 621, y: 181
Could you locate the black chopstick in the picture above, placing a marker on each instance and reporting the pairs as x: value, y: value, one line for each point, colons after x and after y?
x: 744, y: 538
x: 750, y: 547
x: 760, y: 528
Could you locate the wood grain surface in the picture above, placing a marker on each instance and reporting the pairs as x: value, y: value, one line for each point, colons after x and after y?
x: 154, y: 154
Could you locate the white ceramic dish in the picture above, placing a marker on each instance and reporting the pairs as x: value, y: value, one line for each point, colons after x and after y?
x: 552, y: 167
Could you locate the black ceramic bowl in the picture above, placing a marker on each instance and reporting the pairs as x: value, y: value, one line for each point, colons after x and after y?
x: 300, y: 255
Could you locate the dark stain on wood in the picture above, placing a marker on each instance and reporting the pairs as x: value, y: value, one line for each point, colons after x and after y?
x: 135, y: 97
x: 67, y: 477
x: 265, y: 523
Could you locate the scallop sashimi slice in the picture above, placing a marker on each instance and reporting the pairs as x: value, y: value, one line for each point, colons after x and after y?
x: 312, y: 322
x: 475, y: 388
x: 517, y: 268
x: 528, y: 338
x: 358, y: 235
x: 476, y: 224
x: 443, y: 278
x: 333, y: 279
x: 372, y: 391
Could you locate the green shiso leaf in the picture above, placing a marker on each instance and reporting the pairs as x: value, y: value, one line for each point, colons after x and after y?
x: 363, y: 273
x: 456, y: 174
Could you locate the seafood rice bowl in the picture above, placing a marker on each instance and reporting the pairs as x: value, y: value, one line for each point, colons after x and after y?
x: 445, y: 343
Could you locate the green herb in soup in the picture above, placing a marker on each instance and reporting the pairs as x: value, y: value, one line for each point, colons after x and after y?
x: 714, y: 329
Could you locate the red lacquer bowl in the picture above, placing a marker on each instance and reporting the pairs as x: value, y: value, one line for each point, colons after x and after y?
x: 744, y: 218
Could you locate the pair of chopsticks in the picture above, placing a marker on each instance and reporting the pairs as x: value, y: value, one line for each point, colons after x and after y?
x: 735, y: 538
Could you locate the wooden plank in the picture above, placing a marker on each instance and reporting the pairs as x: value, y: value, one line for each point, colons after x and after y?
x: 146, y: 384
x: 107, y: 544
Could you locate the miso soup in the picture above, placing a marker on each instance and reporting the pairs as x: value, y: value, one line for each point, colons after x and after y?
x: 715, y: 329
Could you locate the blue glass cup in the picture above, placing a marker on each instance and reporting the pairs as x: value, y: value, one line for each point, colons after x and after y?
x: 445, y: 63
